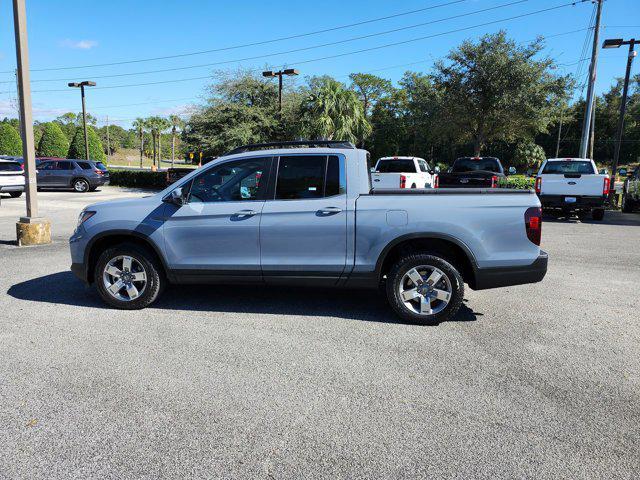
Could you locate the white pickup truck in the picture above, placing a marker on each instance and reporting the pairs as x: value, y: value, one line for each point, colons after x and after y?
x: 572, y: 185
x: 403, y: 172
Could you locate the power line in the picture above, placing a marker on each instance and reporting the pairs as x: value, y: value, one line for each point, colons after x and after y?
x: 253, y: 44
x: 328, y: 57
x: 301, y: 49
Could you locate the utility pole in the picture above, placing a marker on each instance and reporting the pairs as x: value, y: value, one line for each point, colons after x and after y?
x: 108, y: 144
x: 586, y: 125
x: 18, y: 96
x: 616, y: 43
x: 559, y: 133
x: 592, y: 134
x: 30, y: 230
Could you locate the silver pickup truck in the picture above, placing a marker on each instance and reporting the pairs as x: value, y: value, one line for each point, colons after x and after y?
x: 305, y: 214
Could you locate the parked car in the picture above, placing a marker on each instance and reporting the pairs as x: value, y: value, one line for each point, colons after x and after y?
x: 473, y: 172
x: 11, y: 178
x: 81, y: 175
x: 572, y: 185
x: 631, y: 190
x: 403, y: 172
x: 275, y: 215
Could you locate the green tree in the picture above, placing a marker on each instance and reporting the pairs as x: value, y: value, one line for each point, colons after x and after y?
x: 10, y: 141
x: 176, y: 124
x: 77, y: 150
x: 140, y: 125
x: 334, y: 112
x: 528, y: 154
x: 495, y: 90
x: 53, y: 142
x: 370, y: 89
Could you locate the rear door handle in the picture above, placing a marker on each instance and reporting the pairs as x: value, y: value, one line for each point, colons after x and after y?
x: 329, y: 211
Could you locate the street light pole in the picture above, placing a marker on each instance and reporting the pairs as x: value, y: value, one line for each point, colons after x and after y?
x: 84, y: 111
x: 616, y: 43
x: 30, y: 230
x: 279, y: 74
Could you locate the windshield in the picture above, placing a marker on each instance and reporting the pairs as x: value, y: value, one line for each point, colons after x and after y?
x: 396, y: 166
x: 569, y: 166
x: 476, y: 164
x: 10, y: 167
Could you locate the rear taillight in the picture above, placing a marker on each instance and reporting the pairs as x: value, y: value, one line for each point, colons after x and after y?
x: 533, y: 224
x: 605, y: 186
x: 538, y: 185
x: 494, y: 182
x: 99, y: 172
x: 436, y: 181
x: 403, y: 181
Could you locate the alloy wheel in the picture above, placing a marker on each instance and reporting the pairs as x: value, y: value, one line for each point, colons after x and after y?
x: 425, y: 290
x: 124, y: 278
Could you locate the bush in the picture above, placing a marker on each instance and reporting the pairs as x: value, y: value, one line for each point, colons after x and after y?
x: 53, y: 142
x: 76, y: 149
x: 517, y: 182
x: 528, y: 154
x: 138, y: 179
x: 10, y: 141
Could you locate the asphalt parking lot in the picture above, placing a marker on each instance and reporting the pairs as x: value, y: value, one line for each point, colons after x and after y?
x: 532, y: 381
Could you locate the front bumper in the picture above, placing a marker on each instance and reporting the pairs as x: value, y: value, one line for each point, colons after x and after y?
x: 559, y: 202
x: 507, y: 276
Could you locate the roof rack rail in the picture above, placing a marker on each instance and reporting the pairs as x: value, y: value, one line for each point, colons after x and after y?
x: 294, y: 144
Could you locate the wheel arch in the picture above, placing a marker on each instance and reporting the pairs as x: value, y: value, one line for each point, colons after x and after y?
x: 447, y: 246
x: 116, y: 237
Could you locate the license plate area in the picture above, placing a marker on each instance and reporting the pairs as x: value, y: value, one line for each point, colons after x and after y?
x: 569, y: 199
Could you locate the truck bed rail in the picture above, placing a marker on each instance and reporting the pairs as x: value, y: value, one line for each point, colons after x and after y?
x: 449, y: 191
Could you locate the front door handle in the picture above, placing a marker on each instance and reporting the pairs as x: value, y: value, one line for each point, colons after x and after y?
x: 245, y: 213
x: 329, y: 211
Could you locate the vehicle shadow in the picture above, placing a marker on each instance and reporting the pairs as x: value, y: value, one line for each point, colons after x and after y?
x: 64, y: 288
x: 611, y: 217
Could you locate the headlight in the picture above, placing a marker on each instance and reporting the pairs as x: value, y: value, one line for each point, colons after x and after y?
x: 84, y: 216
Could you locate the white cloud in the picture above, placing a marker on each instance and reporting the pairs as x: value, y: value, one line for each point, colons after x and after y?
x: 180, y: 110
x: 78, y: 44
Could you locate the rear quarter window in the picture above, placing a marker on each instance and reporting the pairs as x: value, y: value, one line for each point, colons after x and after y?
x: 396, y: 166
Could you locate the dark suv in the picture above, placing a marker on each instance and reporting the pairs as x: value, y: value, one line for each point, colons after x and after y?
x: 81, y: 175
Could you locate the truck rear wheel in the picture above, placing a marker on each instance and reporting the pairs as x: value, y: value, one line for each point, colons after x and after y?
x: 424, y: 289
x: 597, y: 214
x: 128, y: 277
x: 627, y: 204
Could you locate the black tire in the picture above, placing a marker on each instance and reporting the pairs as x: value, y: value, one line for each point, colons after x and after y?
x: 397, y: 274
x: 413, y: 185
x: 15, y: 194
x: 155, y: 280
x: 627, y: 204
x: 597, y: 214
x: 93, y: 189
x: 80, y: 185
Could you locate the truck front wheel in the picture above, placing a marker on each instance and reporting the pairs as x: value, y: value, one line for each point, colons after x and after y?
x: 424, y: 289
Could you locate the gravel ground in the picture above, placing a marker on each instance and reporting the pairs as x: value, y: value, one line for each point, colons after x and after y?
x: 217, y: 382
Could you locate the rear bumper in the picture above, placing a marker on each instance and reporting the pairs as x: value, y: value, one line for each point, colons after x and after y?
x: 507, y: 276
x: 581, y: 202
x: 11, y: 188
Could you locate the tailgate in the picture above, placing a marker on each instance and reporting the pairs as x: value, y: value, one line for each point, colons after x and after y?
x: 385, y: 180
x: 572, y: 184
x: 10, y: 178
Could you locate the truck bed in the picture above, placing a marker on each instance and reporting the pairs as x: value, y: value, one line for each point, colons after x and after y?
x: 450, y: 191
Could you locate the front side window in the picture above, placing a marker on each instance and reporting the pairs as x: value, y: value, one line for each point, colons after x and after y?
x: 309, y: 176
x: 230, y: 182
x: 46, y: 166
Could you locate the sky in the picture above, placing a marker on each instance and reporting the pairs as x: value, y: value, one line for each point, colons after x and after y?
x: 72, y: 40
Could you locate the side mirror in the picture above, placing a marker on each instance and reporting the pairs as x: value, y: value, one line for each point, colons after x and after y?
x: 372, y: 170
x: 512, y: 170
x: 176, y: 197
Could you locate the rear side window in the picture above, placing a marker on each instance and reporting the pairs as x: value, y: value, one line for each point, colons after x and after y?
x: 476, y: 164
x: 312, y: 176
x: 562, y: 167
x: 101, y: 166
x: 84, y: 165
x: 64, y: 166
x: 424, y: 166
x: 396, y: 166
x: 10, y: 167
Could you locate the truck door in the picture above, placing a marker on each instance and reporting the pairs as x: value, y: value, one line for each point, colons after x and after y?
x: 303, y: 229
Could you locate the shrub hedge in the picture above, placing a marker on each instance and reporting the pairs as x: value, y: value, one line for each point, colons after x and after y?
x: 138, y: 179
x: 517, y: 181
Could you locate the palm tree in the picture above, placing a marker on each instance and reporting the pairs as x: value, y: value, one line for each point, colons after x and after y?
x: 334, y: 112
x: 140, y: 124
x: 163, y: 124
x: 176, y: 123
